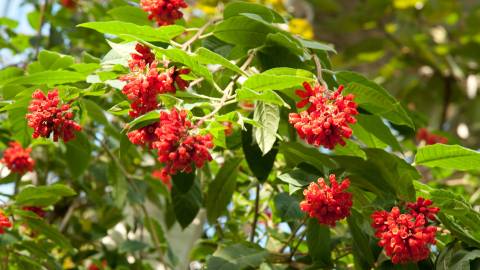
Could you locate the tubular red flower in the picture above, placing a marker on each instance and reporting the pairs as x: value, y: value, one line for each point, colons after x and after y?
x: 429, y: 138
x: 5, y: 223
x: 423, y: 206
x: 141, y: 59
x: 47, y: 115
x: 144, y: 135
x: 35, y: 209
x: 405, y: 237
x: 164, y: 12
x: 325, y: 122
x: 17, y: 159
x: 178, y: 149
x: 327, y: 204
x: 162, y: 176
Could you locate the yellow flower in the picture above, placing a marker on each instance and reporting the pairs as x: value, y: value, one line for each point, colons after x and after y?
x: 207, y: 9
x: 301, y: 27
x: 404, y: 4
x: 276, y: 4
x: 68, y: 263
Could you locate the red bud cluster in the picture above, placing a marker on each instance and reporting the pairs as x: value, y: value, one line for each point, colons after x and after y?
x: 429, y: 138
x: 327, y: 204
x: 17, y: 159
x: 47, y: 115
x: 325, y: 122
x: 406, y: 236
x: 5, y: 223
x: 164, y: 12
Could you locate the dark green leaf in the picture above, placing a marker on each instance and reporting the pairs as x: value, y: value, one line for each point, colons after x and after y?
x: 243, y: 31
x: 287, y: 207
x: 78, y: 154
x: 220, y: 191
x: 237, y: 256
x: 186, y: 204
x: 237, y: 8
x: 448, y: 157
x: 130, y: 14
x: 318, y: 241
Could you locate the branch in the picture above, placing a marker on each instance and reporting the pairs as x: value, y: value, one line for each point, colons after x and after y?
x: 43, y: 9
x: 318, y: 66
x: 293, y: 234
x: 197, y: 35
x: 255, y: 214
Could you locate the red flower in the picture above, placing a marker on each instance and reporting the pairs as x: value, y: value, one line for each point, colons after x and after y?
x: 327, y: 204
x: 177, y: 148
x: 325, y: 122
x: 70, y: 4
x: 142, y: 88
x: 162, y: 176
x: 429, y: 138
x: 164, y: 12
x: 141, y: 58
x: 228, y: 128
x: 4, y: 222
x: 422, y: 206
x: 48, y: 115
x: 17, y: 159
x: 37, y: 210
x: 406, y: 237
x: 144, y: 135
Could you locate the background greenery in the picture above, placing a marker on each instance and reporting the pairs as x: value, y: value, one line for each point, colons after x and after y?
x: 421, y: 61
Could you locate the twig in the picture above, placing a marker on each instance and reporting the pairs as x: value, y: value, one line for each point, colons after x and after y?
x: 293, y: 234
x: 255, y: 214
x: 197, y: 35
x: 318, y: 66
x: 43, y: 9
x: 68, y: 216
x: 295, y: 248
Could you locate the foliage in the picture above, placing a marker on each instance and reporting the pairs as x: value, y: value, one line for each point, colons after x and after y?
x: 211, y: 174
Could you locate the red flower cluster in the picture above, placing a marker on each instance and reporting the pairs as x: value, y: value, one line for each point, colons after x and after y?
x: 327, y: 204
x: 423, y: 206
x: 429, y: 138
x: 47, y: 115
x: 4, y: 222
x: 35, y: 209
x: 177, y: 148
x: 406, y: 236
x: 142, y: 58
x: 325, y: 122
x: 17, y: 159
x: 164, y: 12
x: 71, y: 4
x: 143, y: 86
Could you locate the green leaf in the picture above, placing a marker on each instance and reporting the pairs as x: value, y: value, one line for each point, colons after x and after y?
x: 130, y: 14
x: 297, y: 179
x: 132, y: 246
x: 318, y: 242
x: 287, y: 207
x: 243, y: 31
x: 296, y: 153
x: 371, y: 130
x: 51, y: 233
x: 261, y: 165
x: 456, y: 214
x: 78, y: 154
x: 50, y: 78
x: 236, y: 257
x: 382, y: 173
x: 53, y: 60
x: 220, y: 191
x: 268, y: 96
x: 362, y: 241
x: 144, y: 120
x: 186, y: 204
x: 278, y: 79
x: 456, y: 257
x: 315, y: 45
x: 178, y: 55
x: 43, y: 195
x: 373, y: 98
x: 268, y: 116
x: 350, y: 149
x: 448, y: 157
x: 130, y: 31
x: 238, y: 8
x: 205, y: 56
